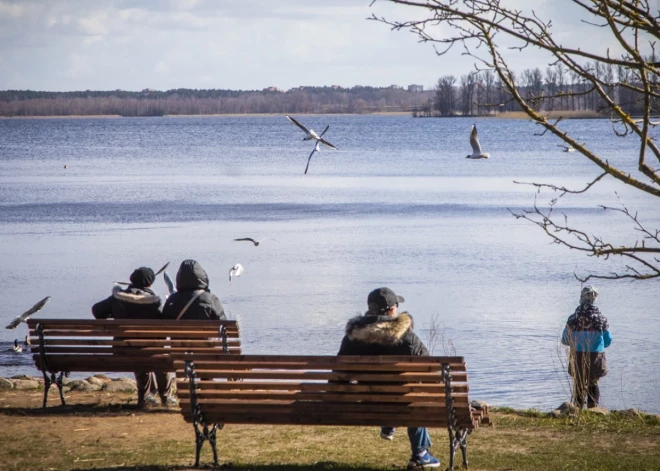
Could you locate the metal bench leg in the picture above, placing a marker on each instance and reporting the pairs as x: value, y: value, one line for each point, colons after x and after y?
x: 55, y: 379
x: 461, y: 436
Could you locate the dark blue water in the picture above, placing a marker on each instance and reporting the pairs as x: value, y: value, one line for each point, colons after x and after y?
x: 397, y: 205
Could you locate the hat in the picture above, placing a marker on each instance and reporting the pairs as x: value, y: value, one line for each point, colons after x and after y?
x: 382, y: 299
x: 142, y: 277
x: 589, y: 294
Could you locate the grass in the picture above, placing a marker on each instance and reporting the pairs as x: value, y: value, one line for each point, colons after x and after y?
x: 105, y: 431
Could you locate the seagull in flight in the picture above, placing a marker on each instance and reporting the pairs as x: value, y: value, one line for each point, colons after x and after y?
x: 476, y: 147
x: 235, y: 271
x: 155, y: 274
x: 311, y: 134
x: 169, y: 283
x: 23, y: 317
x: 566, y: 148
x: 250, y: 239
x: 317, y: 148
x: 17, y: 348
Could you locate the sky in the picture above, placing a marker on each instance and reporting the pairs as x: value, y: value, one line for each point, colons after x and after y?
x: 66, y: 45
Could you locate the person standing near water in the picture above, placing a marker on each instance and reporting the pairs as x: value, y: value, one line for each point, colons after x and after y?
x: 587, y: 335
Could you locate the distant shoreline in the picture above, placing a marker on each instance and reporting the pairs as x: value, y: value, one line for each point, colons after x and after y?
x: 506, y: 115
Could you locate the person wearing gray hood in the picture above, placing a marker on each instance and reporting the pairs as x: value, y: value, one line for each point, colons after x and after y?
x: 193, y: 299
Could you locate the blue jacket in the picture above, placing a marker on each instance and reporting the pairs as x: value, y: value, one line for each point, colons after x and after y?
x: 587, y: 330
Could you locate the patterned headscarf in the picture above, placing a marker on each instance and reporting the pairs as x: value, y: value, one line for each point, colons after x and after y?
x: 588, y: 295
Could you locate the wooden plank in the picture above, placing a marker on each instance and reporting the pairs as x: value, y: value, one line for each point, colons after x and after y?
x: 348, y: 359
x: 33, y: 321
x: 206, y: 385
x: 140, y: 351
x: 186, y: 334
x: 326, y: 376
x: 295, y: 419
x: 327, y: 396
x: 140, y: 343
x: 313, y: 407
x: 223, y: 363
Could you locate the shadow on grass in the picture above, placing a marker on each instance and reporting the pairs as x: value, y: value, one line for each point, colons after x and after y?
x: 320, y: 466
x: 85, y: 409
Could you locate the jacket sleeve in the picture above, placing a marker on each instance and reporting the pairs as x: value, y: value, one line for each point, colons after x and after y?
x: 417, y: 347
x: 343, y: 349
x: 102, y: 309
x: 217, y: 311
x: 565, y: 336
x: 607, y: 338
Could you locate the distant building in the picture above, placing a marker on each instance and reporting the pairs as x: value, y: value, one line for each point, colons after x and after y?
x: 335, y: 87
x: 147, y: 90
x: 395, y: 87
x: 415, y: 88
x: 273, y: 89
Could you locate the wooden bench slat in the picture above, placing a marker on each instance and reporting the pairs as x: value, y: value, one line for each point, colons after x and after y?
x: 207, y: 385
x: 205, y: 363
x: 191, y: 334
x: 144, y: 323
x: 143, y: 351
x: 126, y: 342
x: 326, y: 376
x: 325, y: 396
x: 348, y: 359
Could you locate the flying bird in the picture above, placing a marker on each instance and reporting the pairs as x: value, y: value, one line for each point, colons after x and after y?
x: 162, y: 269
x: 169, y: 283
x: 236, y: 271
x: 476, y: 147
x: 17, y: 348
x: 250, y: 239
x: 566, y: 148
x: 23, y: 317
x: 317, y: 148
x: 310, y: 133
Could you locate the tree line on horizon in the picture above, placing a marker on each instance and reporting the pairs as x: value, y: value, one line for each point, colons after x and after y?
x: 473, y: 94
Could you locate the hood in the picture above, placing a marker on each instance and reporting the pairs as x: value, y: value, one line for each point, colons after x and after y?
x: 382, y: 330
x: 191, y: 276
x: 136, y: 296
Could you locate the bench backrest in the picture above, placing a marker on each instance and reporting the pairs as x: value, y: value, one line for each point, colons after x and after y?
x: 125, y: 345
x: 326, y: 390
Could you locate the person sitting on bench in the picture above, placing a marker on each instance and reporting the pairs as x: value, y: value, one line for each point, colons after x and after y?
x: 193, y: 299
x: 382, y: 331
x: 138, y: 301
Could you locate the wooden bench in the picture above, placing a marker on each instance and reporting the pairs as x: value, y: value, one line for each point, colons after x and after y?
x: 62, y: 346
x: 398, y: 391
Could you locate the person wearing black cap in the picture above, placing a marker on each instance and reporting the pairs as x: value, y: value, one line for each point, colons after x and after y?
x: 138, y: 301
x: 383, y: 331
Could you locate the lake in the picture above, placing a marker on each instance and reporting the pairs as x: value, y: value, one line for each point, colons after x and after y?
x: 398, y: 205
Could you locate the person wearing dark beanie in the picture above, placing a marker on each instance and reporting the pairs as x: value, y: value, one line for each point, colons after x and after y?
x: 138, y: 301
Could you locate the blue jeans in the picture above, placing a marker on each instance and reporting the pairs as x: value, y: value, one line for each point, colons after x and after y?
x: 419, y: 437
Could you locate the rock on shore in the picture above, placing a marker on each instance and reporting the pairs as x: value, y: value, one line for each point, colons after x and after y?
x: 93, y: 383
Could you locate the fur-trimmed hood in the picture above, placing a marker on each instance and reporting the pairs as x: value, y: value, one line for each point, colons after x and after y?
x: 137, y: 296
x: 381, y: 330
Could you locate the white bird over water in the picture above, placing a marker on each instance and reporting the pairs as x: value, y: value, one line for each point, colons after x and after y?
x: 311, y: 134
x: 317, y: 148
x: 17, y: 348
x: 476, y: 147
x: 23, y: 317
x: 566, y: 148
x: 169, y: 283
x: 236, y: 271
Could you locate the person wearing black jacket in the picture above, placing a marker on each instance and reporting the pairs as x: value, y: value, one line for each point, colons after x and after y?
x: 193, y: 299
x: 382, y: 331
x: 138, y: 301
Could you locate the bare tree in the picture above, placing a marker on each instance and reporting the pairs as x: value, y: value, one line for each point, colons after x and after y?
x: 480, y: 26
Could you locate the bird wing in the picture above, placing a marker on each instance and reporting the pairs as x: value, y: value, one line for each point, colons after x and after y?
x: 169, y: 283
x: 162, y: 269
x: 121, y: 283
x: 316, y: 147
x: 249, y: 239
x: 474, y: 141
x: 326, y: 128
x: 323, y: 141
x: 298, y: 124
x: 23, y: 317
